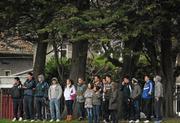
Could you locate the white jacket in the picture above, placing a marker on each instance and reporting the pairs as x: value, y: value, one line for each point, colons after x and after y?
x: 70, y: 93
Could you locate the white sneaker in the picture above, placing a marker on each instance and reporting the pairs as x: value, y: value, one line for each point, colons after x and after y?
x: 57, y: 120
x: 20, y: 119
x: 24, y: 120
x: 32, y: 120
x: 131, y: 121
x: 146, y: 121
x: 137, y: 121
x: 14, y: 119
x: 51, y: 120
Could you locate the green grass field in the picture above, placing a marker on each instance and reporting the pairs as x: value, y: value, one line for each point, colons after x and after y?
x: 166, y: 121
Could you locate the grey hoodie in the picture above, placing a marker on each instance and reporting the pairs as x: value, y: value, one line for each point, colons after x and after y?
x: 55, y: 93
x: 136, y: 92
x: 158, y: 92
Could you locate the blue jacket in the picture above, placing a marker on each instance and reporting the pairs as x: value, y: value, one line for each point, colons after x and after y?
x: 29, y: 84
x: 41, y: 89
x: 148, y: 90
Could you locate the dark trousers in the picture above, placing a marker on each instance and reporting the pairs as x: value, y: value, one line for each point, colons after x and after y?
x: 105, y: 108
x: 135, y: 109
x: 158, y: 104
x: 28, y: 107
x: 114, y: 116
x: 39, y: 103
x: 69, y: 106
x: 147, y: 108
x: 126, y: 109
x: 17, y: 106
x: 81, y: 109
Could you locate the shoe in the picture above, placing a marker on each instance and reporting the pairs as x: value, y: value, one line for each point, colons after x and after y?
x: 137, y: 121
x: 32, y: 120
x: 20, y: 119
x: 70, y: 117
x: 146, y: 121
x: 131, y: 121
x: 14, y: 119
x: 51, y: 120
x: 57, y: 120
x: 24, y: 120
x: 80, y: 118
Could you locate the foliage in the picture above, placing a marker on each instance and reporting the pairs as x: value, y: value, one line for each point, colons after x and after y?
x: 51, y: 68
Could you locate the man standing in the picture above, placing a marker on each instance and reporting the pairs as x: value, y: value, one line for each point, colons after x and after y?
x: 147, y: 96
x: 158, y: 93
x: 41, y: 94
x: 126, y: 95
x: 28, y: 87
x: 81, y: 88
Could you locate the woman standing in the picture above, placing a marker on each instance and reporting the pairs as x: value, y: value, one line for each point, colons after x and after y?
x: 96, y: 104
x: 69, y: 95
x: 54, y: 95
x: 88, y: 102
x: 17, y: 96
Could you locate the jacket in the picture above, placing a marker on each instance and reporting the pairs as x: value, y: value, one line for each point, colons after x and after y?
x: 158, y: 92
x: 88, y: 98
x: 113, y: 102
x: 70, y: 93
x: 126, y: 91
x: 29, y: 84
x: 96, y: 98
x: 136, y: 91
x: 57, y: 94
x: 17, y: 91
x: 81, y: 88
x: 41, y: 89
x: 148, y: 90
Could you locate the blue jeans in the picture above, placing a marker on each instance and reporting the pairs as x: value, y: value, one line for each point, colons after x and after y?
x: 96, y: 113
x: 69, y: 106
x: 55, y: 109
x: 90, y: 115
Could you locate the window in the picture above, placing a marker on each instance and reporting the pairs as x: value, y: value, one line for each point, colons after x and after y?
x: 64, y: 51
x: 7, y: 72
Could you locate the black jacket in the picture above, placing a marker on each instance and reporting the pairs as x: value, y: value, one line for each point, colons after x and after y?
x: 17, y: 91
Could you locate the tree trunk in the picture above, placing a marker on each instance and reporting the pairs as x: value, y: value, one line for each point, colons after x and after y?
x: 79, y: 57
x: 39, y: 58
x: 56, y: 56
x: 167, y: 70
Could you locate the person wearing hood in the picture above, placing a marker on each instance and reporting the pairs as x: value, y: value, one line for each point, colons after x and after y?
x: 41, y: 94
x: 158, y: 93
x: 135, y: 100
x: 54, y: 95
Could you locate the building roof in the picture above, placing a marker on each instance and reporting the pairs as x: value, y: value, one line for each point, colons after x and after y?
x: 15, y: 45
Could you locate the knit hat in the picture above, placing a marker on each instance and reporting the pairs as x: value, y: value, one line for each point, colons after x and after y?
x: 54, y: 78
x: 135, y: 80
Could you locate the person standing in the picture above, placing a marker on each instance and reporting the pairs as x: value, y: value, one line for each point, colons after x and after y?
x: 17, y: 96
x: 81, y: 88
x: 106, y: 97
x: 88, y: 102
x: 135, y: 100
x: 29, y: 86
x: 41, y: 94
x: 69, y: 95
x: 96, y: 98
x: 54, y: 95
x: 158, y: 93
x: 126, y: 89
x: 147, y: 96
x: 113, y: 103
